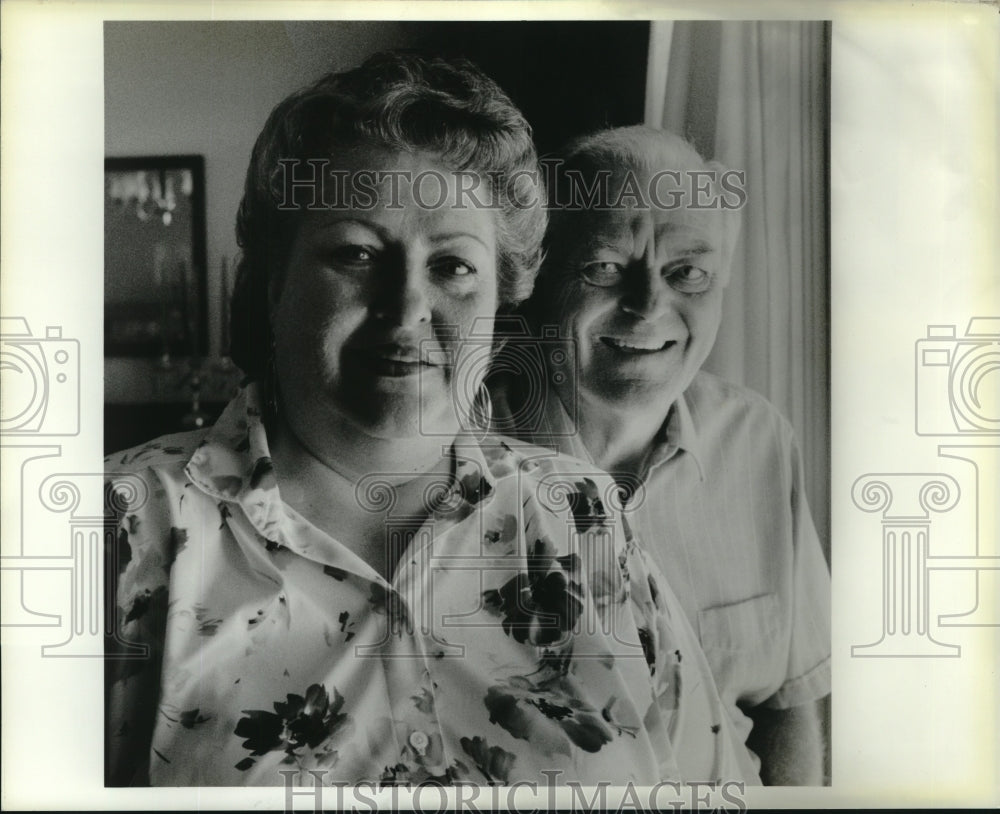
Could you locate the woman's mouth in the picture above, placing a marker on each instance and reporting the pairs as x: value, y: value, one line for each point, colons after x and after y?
x: 637, y: 347
x: 397, y: 368
x: 395, y: 361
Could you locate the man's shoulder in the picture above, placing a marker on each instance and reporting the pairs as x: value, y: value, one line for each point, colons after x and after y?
x: 714, y: 391
x: 714, y: 400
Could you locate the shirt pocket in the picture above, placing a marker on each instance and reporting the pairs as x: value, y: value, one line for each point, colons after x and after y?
x: 744, y: 644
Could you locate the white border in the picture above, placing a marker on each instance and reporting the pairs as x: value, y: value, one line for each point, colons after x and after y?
x: 915, y: 207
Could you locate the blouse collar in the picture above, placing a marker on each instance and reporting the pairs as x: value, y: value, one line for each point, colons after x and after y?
x: 233, y: 465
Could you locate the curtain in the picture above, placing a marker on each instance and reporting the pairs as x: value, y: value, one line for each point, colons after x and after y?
x: 754, y: 95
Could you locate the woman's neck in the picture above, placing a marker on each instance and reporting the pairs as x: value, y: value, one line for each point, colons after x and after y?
x: 321, y: 482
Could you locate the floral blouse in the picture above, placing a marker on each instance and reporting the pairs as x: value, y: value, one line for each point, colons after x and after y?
x: 522, y: 632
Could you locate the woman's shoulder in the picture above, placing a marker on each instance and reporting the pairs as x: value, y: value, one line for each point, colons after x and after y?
x: 174, y: 449
x: 558, y: 482
x: 137, y: 481
x: 505, y: 453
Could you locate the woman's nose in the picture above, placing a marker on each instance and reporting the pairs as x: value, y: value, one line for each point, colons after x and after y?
x: 404, y: 295
x: 647, y: 295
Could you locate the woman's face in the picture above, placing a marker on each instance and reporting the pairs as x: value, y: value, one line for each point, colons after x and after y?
x: 370, y: 315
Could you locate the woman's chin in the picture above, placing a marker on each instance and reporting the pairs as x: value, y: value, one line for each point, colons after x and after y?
x: 393, y: 419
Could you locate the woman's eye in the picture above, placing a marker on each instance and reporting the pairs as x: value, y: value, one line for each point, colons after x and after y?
x: 689, y: 279
x: 353, y: 254
x: 453, y: 267
x: 603, y: 274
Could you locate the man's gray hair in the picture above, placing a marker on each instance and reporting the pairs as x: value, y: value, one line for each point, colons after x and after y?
x: 638, y: 149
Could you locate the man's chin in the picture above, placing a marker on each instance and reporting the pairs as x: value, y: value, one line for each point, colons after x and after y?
x: 636, y: 394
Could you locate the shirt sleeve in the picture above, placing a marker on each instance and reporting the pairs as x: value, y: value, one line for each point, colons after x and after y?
x: 808, y: 674
x: 137, y: 594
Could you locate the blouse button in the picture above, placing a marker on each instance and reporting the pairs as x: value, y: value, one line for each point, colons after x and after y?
x: 419, y: 741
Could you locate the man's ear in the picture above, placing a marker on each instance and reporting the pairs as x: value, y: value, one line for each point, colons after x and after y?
x: 732, y: 224
x: 732, y: 221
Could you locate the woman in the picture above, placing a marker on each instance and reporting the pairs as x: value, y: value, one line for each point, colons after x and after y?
x: 343, y: 576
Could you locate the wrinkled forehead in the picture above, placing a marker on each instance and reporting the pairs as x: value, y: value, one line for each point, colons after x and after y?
x: 629, y: 227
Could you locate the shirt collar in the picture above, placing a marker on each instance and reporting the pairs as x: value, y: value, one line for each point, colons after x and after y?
x: 233, y: 462
x: 233, y: 465
x: 555, y: 427
x: 552, y: 426
x: 679, y: 433
x: 476, y: 471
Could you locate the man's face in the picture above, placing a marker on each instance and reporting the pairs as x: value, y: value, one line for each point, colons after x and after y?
x: 639, y: 291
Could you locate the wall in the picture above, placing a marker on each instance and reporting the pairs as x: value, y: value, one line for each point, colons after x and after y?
x: 193, y: 87
x: 207, y: 88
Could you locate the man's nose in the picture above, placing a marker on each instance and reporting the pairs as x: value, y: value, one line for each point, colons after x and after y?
x: 403, y: 295
x: 647, y: 294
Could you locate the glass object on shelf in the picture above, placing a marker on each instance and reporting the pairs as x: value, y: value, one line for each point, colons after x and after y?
x: 154, y: 257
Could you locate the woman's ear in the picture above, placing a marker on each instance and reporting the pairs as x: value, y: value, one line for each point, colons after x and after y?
x: 273, y: 295
x: 278, y: 255
x: 275, y: 288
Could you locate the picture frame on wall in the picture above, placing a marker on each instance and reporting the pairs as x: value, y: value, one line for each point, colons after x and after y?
x: 154, y: 257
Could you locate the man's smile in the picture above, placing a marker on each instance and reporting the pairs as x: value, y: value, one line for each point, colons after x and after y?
x: 636, y: 346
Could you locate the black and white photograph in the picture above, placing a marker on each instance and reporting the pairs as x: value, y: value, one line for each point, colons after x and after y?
x: 471, y: 413
x: 463, y: 280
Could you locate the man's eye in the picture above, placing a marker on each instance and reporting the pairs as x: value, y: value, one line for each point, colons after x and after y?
x: 689, y: 279
x: 453, y: 267
x: 603, y: 274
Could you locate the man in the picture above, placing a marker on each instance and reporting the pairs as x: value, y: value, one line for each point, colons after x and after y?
x: 638, y: 256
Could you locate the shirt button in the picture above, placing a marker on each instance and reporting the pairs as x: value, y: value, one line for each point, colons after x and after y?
x: 419, y: 741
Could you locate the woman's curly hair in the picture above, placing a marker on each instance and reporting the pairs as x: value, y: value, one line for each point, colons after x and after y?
x: 396, y: 101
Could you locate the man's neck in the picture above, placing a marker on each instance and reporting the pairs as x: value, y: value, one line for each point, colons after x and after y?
x: 618, y: 440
